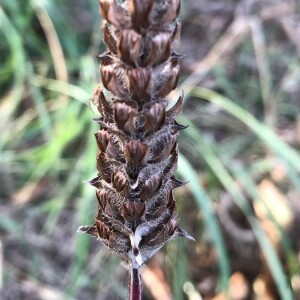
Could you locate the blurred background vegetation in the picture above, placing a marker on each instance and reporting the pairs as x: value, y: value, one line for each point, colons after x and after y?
x: 241, y: 78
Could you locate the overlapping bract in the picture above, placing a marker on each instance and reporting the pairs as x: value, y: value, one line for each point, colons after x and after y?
x: 138, y: 137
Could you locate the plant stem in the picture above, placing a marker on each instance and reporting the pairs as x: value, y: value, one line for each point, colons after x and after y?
x: 135, y: 285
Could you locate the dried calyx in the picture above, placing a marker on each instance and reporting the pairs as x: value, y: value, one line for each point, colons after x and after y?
x: 138, y: 137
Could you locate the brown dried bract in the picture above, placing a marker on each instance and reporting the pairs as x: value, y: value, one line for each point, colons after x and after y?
x: 137, y: 140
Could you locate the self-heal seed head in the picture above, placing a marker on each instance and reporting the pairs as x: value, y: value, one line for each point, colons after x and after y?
x: 137, y: 139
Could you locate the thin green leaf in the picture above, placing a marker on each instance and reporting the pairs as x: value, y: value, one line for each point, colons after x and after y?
x: 267, y: 136
x: 228, y: 182
x: 205, y: 205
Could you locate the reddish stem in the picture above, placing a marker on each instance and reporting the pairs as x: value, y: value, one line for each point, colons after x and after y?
x: 135, y: 285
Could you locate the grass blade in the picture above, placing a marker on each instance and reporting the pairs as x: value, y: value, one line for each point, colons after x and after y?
x: 264, y: 133
x: 228, y: 182
x: 205, y: 205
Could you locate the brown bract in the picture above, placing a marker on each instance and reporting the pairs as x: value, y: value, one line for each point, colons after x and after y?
x: 137, y: 140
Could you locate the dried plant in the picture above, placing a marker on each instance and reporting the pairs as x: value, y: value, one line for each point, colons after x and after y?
x: 137, y: 139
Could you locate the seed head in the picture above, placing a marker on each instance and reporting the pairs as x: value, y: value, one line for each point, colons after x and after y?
x: 137, y: 139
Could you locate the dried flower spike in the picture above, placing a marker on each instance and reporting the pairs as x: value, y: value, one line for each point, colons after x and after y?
x: 138, y: 137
